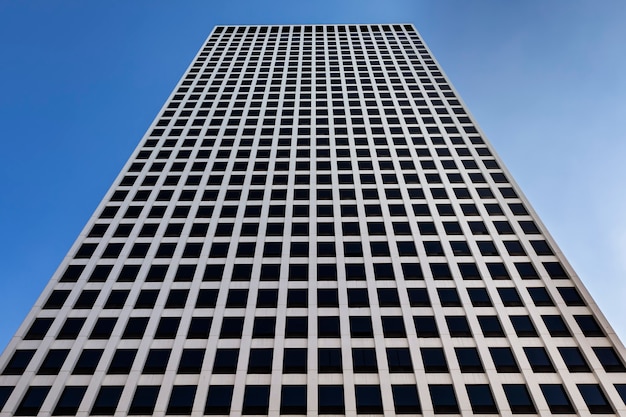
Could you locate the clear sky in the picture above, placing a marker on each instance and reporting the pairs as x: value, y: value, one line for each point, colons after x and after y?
x: 80, y: 82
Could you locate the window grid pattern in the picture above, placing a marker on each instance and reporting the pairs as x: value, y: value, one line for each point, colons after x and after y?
x: 313, y: 224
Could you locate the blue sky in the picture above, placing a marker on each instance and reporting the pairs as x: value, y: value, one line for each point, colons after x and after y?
x: 81, y: 81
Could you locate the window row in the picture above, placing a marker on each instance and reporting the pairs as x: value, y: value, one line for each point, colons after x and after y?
x: 329, y: 360
x: 293, y: 399
x: 327, y: 327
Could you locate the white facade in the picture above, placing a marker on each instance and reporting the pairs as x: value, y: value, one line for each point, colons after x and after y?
x: 314, y: 224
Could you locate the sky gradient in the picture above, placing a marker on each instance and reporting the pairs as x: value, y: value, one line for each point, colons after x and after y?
x: 80, y: 82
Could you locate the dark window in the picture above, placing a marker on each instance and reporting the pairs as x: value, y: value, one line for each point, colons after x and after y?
x: 399, y: 360
x: 264, y: 327
x: 69, y: 401
x: 556, y: 326
x: 503, y: 359
x: 231, y: 328
x: 103, y: 328
x: 540, y: 296
x: 191, y: 361
x: 609, y: 360
x: 167, y: 328
x: 199, y: 328
x: 327, y: 297
x: 144, y: 400
x: 156, y: 362
x: 589, y: 326
x: 295, y: 361
x: 523, y: 326
x: 297, y: 298
x: 426, y: 326
x: 434, y: 360
x: 510, y: 297
x: 18, y: 362
x: 87, y: 362
x: 296, y: 327
x: 449, y: 297
x: 122, y: 361
x: 135, y: 328
x: 53, y: 362
x: 330, y: 399
x: 539, y: 359
x: 181, y: 400
x: 519, y: 399
x: 368, y: 399
x: 107, y: 399
x: 293, y: 399
x: 32, y: 401
x: 481, y: 399
x: 557, y: 398
x: 260, y: 361
x: 405, y: 399
x: 479, y: 297
x: 329, y: 360
x: 443, y: 399
x: 469, y: 360
x: 571, y: 296
x: 490, y: 326
x: 256, y: 399
x: 574, y: 360
x: 418, y: 297
x: 219, y: 399
x: 364, y: 360
x: 71, y: 328
x: 595, y: 399
x: 458, y: 326
x: 361, y: 326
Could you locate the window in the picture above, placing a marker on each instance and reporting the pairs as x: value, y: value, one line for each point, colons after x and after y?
x: 329, y: 360
x: 107, y: 399
x: 540, y: 296
x: 32, y: 401
x: 589, y: 326
x: 556, y: 326
x: 260, y: 361
x: 368, y: 399
x: 144, y: 400
x: 399, y: 360
x: 18, y: 362
x: 571, y: 296
x: 503, y: 359
x: 330, y: 399
x: 449, y: 297
x: 156, y: 362
x: 519, y: 399
x: 443, y: 399
x: 181, y: 400
x: 361, y: 326
x: 364, y: 360
x: 510, y: 297
x: 231, y: 328
x: 191, y: 361
x: 434, y: 360
x: 609, y: 360
x: 458, y: 326
x: 595, y: 399
x: 327, y: 297
x: 469, y: 360
x: 538, y: 359
x: 426, y: 326
x: 405, y: 399
x: 293, y: 399
x: 87, y: 362
x: 479, y: 297
x: 481, y: 399
x: 122, y: 361
x: 218, y: 400
x: 557, y: 398
x: 490, y: 326
x: 393, y: 326
x: 574, y: 360
x: 523, y: 326
x: 295, y: 361
x: 418, y: 297
x: 328, y: 326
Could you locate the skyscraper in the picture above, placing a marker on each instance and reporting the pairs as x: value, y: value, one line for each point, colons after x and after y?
x: 314, y: 224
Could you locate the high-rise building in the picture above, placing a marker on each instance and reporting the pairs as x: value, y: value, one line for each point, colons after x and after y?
x: 314, y: 224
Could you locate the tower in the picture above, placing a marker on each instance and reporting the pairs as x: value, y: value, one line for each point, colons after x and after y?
x: 314, y: 224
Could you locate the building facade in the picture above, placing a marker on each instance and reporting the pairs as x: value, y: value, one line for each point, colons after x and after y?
x: 314, y: 225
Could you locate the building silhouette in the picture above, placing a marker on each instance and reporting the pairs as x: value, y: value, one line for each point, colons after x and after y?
x: 314, y: 224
